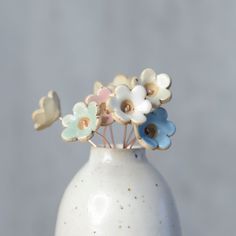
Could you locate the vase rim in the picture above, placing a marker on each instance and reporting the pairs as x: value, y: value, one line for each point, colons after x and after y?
x: 119, y: 147
x: 102, y: 154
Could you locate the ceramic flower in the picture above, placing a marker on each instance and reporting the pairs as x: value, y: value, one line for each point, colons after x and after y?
x: 157, y: 86
x: 156, y: 131
x: 101, y: 97
x: 82, y: 124
x: 49, y: 111
x: 129, y: 105
x: 130, y: 82
x: 97, y: 86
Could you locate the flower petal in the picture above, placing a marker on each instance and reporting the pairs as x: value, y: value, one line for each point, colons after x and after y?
x: 138, y: 94
x: 120, y: 80
x: 150, y: 143
x: 138, y: 117
x: 67, y: 120
x: 79, y: 108
x: 145, y: 107
x: 155, y: 101
x: 164, y: 95
x: 85, y: 134
x: 121, y: 117
x: 163, y: 80
x: 113, y: 104
x: 92, y: 98
x: 147, y: 75
x: 92, y: 109
x: 122, y: 92
x: 97, y: 85
x: 103, y: 94
x: 167, y: 128
x: 69, y: 134
x: 164, y: 142
x: 160, y: 114
x: 133, y: 82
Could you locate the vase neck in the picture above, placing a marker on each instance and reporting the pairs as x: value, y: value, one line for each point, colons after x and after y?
x: 115, y: 155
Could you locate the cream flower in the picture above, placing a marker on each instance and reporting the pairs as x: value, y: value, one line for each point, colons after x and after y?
x: 130, y: 82
x: 49, y: 111
x: 157, y: 86
x: 129, y: 105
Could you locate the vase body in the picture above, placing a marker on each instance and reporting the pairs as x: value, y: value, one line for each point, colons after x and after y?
x: 117, y: 193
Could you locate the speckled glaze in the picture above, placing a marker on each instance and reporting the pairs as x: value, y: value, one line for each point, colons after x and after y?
x: 117, y: 193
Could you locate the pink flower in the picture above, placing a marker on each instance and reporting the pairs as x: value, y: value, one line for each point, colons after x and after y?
x: 101, y: 98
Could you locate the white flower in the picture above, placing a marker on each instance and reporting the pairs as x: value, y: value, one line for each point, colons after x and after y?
x: 157, y: 87
x: 129, y: 105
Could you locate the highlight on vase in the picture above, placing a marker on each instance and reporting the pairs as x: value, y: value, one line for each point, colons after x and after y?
x: 135, y: 102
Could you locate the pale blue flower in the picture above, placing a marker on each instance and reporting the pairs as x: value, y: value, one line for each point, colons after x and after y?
x: 82, y: 124
x: 155, y: 133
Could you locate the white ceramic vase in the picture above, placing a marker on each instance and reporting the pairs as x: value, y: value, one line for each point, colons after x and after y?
x: 117, y: 193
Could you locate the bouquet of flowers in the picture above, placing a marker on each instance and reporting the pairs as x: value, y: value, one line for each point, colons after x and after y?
x: 134, y: 102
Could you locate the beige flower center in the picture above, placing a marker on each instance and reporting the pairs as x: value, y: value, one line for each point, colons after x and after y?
x: 83, y: 123
x: 151, y: 131
x: 151, y: 89
x: 104, y: 113
x: 103, y: 108
x: 127, y: 106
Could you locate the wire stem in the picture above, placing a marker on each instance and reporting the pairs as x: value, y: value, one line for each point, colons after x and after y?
x: 125, y: 135
x: 104, y: 134
x: 129, y: 136
x: 92, y: 143
x: 131, y: 143
x: 112, y: 136
x: 104, y: 138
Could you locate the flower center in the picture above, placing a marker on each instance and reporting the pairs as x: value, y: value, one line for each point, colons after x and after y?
x: 151, y: 131
x: 151, y: 89
x: 127, y: 106
x: 103, y: 108
x: 104, y: 113
x: 83, y: 123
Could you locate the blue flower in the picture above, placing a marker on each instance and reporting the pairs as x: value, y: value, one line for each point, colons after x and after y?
x: 155, y: 133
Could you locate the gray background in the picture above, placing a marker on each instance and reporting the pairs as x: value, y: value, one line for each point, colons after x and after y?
x: 67, y: 45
